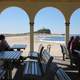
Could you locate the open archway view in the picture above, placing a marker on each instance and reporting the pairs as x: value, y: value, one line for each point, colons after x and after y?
x: 75, y: 23
x: 50, y: 29
x: 14, y: 23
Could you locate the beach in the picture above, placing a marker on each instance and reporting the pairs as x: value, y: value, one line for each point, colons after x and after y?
x: 25, y: 39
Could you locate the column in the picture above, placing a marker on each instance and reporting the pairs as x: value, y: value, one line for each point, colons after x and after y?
x: 31, y: 36
x: 67, y: 32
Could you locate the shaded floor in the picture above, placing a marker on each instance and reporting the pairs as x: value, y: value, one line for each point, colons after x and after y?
x: 19, y: 73
x: 71, y: 71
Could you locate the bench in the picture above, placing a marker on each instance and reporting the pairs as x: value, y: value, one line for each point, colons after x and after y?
x: 2, y: 73
x: 76, y: 58
x: 35, y: 69
x: 45, y: 55
x: 36, y: 55
x: 31, y: 70
x: 61, y: 75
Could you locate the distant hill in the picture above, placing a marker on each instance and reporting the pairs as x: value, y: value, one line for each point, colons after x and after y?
x: 47, y: 31
x: 19, y: 34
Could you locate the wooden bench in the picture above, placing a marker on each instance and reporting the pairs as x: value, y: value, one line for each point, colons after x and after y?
x: 36, y: 55
x: 8, y: 57
x: 61, y: 75
x: 45, y: 55
x: 2, y: 73
x: 34, y: 69
x: 76, y: 58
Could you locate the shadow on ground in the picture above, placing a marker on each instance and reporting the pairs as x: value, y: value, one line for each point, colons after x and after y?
x: 72, y: 71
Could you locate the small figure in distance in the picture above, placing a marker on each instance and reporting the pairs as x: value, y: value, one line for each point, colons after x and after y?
x: 48, y: 48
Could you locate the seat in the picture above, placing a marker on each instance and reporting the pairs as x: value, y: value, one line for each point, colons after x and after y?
x: 63, y: 51
x: 36, y: 55
x: 2, y: 73
x: 61, y: 75
x: 35, y: 69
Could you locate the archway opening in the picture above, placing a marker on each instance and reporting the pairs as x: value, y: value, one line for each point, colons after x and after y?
x: 51, y: 19
x: 75, y: 23
x: 14, y: 23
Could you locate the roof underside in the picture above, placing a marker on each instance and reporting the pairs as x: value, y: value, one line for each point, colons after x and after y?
x: 42, y: 0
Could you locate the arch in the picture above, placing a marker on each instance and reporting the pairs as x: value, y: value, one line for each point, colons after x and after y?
x: 45, y: 9
x: 75, y: 15
x: 20, y: 14
x: 18, y: 7
x: 41, y: 8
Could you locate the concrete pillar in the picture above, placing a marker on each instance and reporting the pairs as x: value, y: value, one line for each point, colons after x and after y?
x: 67, y: 32
x: 31, y: 36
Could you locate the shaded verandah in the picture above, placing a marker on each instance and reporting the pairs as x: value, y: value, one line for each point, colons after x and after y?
x: 29, y: 7
x: 32, y: 10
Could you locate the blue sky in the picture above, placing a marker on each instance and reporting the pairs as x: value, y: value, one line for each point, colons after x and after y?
x: 16, y: 20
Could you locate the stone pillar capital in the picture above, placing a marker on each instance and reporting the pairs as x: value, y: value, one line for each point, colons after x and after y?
x: 31, y: 23
x: 67, y: 23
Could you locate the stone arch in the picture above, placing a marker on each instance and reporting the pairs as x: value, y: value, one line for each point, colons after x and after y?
x: 76, y: 16
x: 18, y: 9
x: 31, y: 7
x: 40, y: 8
x: 22, y: 9
x: 52, y: 8
x: 25, y: 20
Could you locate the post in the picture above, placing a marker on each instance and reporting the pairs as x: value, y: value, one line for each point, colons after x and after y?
x: 67, y: 32
x: 31, y: 36
x: 67, y: 37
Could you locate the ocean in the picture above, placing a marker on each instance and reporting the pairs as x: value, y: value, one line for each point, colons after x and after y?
x: 54, y: 38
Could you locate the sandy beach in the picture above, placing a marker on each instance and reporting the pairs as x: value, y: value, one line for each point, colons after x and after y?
x: 55, y: 47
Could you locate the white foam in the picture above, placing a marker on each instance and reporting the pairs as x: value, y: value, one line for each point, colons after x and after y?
x: 53, y: 41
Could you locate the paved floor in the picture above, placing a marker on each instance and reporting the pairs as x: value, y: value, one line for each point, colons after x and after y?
x: 71, y: 71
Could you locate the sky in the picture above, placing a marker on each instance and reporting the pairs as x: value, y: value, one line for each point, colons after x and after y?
x: 15, y: 20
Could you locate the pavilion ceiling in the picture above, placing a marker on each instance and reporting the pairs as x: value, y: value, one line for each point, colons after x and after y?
x: 41, y: 0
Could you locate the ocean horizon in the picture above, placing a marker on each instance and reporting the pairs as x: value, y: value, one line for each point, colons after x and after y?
x: 55, y: 38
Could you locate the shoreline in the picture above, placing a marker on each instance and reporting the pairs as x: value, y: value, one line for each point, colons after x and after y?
x: 59, y: 42
x: 55, y: 47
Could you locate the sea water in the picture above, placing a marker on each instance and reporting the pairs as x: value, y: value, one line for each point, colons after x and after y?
x: 52, y: 38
